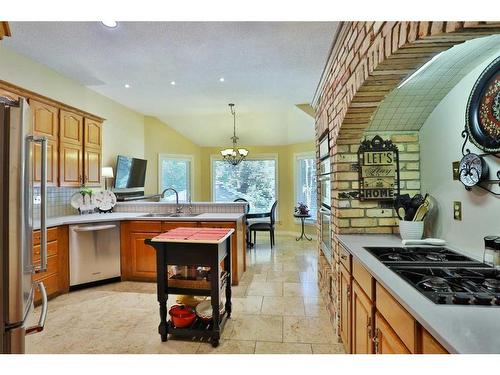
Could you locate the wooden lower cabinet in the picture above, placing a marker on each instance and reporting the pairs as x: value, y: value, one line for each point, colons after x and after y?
x: 345, y: 308
x: 362, y: 321
x: 56, y: 278
x: 388, y: 342
x: 143, y: 257
x: 372, y: 320
x: 138, y: 261
x: 430, y: 345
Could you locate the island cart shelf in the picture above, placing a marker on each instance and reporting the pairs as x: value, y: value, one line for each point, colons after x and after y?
x: 194, y: 246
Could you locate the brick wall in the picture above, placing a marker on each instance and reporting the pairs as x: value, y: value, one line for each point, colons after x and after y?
x: 367, y: 61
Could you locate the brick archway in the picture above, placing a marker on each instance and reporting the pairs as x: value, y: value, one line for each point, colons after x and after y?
x: 368, y: 60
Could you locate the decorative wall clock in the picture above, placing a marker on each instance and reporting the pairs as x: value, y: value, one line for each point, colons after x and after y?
x: 483, y: 110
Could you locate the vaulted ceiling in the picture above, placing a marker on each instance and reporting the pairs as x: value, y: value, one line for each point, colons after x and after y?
x: 268, y: 68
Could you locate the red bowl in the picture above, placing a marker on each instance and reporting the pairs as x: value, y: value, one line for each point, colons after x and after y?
x: 182, y: 316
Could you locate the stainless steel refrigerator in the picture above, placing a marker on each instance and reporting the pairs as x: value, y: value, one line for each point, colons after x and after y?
x: 16, y: 224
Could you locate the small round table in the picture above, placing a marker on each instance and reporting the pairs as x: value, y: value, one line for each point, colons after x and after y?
x: 303, y: 233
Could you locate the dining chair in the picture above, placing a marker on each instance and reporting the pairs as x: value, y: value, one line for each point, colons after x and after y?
x: 247, y: 210
x: 264, y: 226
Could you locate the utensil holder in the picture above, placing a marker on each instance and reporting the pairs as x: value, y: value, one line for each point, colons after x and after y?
x: 411, y: 230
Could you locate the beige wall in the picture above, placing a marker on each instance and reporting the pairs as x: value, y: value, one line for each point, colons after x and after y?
x: 161, y: 139
x: 440, y: 144
x: 123, y: 129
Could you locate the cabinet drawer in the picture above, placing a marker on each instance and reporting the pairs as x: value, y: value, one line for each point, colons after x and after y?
x: 397, y: 317
x: 145, y: 226
x: 430, y: 345
x: 51, y: 250
x: 52, y: 267
x: 51, y: 235
x: 345, y: 257
x: 169, y: 225
x: 51, y: 286
x: 363, y: 278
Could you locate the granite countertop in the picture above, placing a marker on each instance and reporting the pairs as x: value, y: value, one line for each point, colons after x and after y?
x: 460, y: 329
x: 118, y: 216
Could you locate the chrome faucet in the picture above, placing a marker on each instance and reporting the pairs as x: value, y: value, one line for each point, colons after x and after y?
x: 178, y: 209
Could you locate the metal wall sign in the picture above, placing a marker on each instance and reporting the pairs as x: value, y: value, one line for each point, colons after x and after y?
x: 378, y: 166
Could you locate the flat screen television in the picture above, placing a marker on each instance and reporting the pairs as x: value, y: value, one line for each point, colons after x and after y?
x: 130, y: 173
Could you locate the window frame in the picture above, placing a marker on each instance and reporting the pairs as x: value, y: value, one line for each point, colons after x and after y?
x: 265, y: 156
x: 182, y: 157
x: 296, y: 173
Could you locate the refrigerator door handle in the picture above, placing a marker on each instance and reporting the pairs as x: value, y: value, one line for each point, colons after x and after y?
x: 43, y: 314
x: 43, y: 201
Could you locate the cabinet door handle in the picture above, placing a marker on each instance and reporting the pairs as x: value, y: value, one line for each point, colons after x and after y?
x: 343, y: 256
x: 375, y: 340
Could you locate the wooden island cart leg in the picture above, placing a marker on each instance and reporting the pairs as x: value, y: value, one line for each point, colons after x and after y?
x: 215, y: 300
x: 161, y: 290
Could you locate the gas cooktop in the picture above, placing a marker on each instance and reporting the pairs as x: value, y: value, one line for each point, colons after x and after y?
x: 426, y: 255
x: 454, y: 285
x: 443, y: 275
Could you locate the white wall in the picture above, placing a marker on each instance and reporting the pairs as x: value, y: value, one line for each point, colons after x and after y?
x: 123, y: 129
x: 441, y: 145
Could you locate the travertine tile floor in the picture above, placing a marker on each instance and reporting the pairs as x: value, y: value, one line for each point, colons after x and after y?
x: 277, y: 308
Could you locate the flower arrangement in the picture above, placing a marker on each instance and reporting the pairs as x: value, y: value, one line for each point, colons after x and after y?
x: 302, y: 209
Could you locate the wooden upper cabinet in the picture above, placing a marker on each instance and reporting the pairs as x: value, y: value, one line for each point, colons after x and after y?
x: 92, y: 137
x: 70, y: 165
x: 45, y: 119
x: 388, y: 342
x: 71, y: 128
x: 93, y: 133
x: 345, y: 308
x: 92, y: 167
x: 52, y: 163
x: 45, y: 123
x: 362, y: 321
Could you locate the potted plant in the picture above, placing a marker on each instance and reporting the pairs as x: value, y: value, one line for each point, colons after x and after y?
x: 301, y: 209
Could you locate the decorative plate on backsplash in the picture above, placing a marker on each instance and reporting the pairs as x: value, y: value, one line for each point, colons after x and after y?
x: 483, y: 109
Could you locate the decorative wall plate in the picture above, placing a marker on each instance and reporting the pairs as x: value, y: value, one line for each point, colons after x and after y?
x: 483, y: 110
x: 105, y: 200
x: 473, y: 170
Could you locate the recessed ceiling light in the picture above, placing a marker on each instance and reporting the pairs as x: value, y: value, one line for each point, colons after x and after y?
x: 172, y: 83
x: 127, y: 85
x: 110, y: 24
x: 221, y: 79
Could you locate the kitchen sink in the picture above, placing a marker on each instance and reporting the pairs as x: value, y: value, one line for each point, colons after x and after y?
x: 171, y: 215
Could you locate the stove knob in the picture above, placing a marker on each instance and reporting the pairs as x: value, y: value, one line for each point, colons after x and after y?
x: 482, y: 299
x: 441, y: 299
x: 461, y: 298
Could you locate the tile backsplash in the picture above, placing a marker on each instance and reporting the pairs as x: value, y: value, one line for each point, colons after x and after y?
x: 58, y: 201
x: 58, y: 204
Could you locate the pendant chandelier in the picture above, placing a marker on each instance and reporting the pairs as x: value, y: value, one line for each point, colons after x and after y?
x: 234, y: 155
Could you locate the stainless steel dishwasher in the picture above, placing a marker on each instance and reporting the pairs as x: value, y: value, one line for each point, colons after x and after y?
x: 94, y: 252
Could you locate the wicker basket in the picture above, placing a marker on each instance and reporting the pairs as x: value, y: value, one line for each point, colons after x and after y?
x: 192, y: 284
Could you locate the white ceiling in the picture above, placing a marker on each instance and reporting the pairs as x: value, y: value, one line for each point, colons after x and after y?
x: 268, y: 68
x: 408, y: 107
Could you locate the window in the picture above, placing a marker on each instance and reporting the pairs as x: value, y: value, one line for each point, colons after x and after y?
x: 305, y: 182
x: 253, y: 179
x: 175, y: 171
